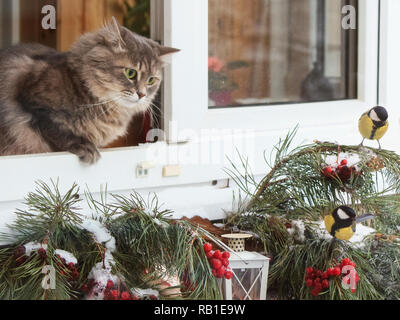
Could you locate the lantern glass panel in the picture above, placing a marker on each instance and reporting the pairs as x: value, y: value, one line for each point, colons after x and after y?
x: 249, y: 286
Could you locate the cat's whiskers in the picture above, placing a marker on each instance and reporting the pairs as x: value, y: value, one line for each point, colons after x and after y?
x: 153, y: 113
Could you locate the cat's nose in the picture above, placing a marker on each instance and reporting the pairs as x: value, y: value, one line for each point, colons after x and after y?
x: 141, y: 95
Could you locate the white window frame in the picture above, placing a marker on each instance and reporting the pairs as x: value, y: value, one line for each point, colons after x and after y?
x: 389, y: 62
x: 184, y: 25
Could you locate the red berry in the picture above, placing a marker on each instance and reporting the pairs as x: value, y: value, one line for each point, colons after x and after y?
x: 325, y: 275
x: 319, y: 273
x: 71, y: 265
x: 309, y: 283
x: 221, y: 272
x: 125, y: 295
x: 216, y: 263
x: 226, y: 255
x: 207, y: 247
x: 135, y: 297
x: 110, y: 284
x: 309, y: 270
x: 325, y: 284
x: 346, y: 261
x: 328, y: 170
x: 210, y: 254
x: 217, y: 254
x: 344, y: 162
x: 228, y: 275
x: 85, y: 288
x: 153, y: 297
x: 315, y: 292
x: 225, y: 262
x: 115, y: 294
x: 337, y: 271
x: 91, y: 283
x: 214, y: 272
x: 42, y: 253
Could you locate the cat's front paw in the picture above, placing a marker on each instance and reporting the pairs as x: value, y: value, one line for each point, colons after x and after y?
x: 86, y: 152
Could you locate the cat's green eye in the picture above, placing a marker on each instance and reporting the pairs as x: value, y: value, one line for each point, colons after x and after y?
x: 151, y: 81
x: 130, y: 73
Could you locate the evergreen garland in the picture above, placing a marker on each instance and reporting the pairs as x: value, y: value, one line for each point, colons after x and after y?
x: 149, y: 247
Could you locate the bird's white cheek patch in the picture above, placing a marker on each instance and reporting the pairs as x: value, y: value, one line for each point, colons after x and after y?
x: 342, y: 215
x: 374, y: 116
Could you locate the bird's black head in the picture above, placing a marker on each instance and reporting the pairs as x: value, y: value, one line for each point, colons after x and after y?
x: 380, y: 112
x: 344, y: 213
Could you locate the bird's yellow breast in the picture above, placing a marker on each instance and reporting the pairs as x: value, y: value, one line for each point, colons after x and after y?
x: 366, y: 128
x: 341, y: 234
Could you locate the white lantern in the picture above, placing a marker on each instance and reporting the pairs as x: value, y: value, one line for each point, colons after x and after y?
x: 250, y: 276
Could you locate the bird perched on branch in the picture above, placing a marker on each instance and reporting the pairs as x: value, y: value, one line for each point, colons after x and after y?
x: 341, y: 223
x: 374, y: 124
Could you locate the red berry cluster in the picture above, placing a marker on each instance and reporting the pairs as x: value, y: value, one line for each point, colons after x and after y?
x: 219, y: 262
x: 342, y: 171
x: 118, y: 292
x: 114, y: 291
x: 319, y: 280
x: 69, y: 269
x: 21, y: 257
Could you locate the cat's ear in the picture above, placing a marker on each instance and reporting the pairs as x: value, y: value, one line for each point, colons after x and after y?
x: 113, y: 35
x: 166, y: 52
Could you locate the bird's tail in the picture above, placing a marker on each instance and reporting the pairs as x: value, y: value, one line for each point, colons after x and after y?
x: 365, y: 217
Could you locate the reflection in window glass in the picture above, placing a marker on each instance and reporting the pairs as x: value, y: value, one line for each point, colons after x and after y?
x: 280, y: 51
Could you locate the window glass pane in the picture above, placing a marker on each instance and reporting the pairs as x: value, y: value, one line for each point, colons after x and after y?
x: 280, y: 51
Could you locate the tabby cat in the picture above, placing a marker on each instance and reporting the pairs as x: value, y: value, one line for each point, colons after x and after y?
x: 80, y: 100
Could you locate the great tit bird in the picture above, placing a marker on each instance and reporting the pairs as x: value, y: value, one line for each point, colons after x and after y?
x: 374, y: 124
x: 341, y: 223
